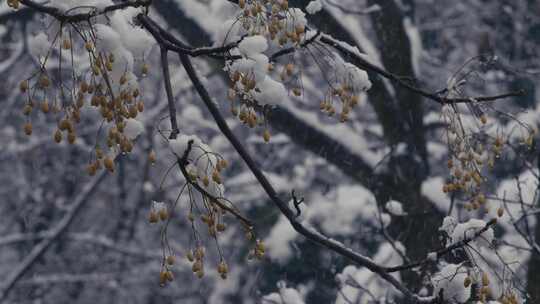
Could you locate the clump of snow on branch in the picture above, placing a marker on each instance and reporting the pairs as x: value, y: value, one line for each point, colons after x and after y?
x: 133, y: 128
x: 469, y: 229
x: 488, y: 260
x: 180, y: 145
x: 314, y: 7
x: 285, y: 295
x: 395, y: 208
x: 347, y: 73
x: 115, y: 36
x: 253, y: 45
x: 38, y: 45
x: 271, y: 91
x: 450, y: 280
x: 67, y: 5
x: 202, y: 162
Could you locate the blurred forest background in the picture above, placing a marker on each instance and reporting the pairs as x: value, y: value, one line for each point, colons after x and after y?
x: 391, y: 148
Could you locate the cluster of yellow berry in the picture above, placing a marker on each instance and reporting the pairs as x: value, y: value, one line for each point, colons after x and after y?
x: 466, y: 176
x: 213, y: 220
x: 42, y: 85
x: 207, y: 166
x: 470, y: 157
x: 158, y: 212
x: 118, y: 101
x: 166, y: 275
x: 274, y: 21
x: 290, y: 74
x: 258, y: 251
x: 345, y: 95
x: 248, y: 113
x: 196, y: 257
x: 484, y: 291
x: 509, y: 297
x: 204, y: 176
x: 271, y: 18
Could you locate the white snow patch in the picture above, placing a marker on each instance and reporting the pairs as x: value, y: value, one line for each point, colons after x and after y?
x: 450, y: 279
x: 314, y: 7
x: 133, y: 128
x: 395, y: 208
x: 253, y: 45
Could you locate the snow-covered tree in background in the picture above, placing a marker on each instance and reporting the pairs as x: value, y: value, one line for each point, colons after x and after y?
x: 300, y: 134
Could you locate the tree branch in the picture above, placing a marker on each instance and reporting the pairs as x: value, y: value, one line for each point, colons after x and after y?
x: 66, y: 18
x: 100, y: 240
x: 309, y: 233
x: 168, y: 90
x: 445, y: 250
x: 364, y: 64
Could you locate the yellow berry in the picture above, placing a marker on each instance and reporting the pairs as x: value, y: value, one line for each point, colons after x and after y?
x: 109, y: 164
x: 66, y: 44
x: 199, y: 253
x: 44, y: 81
x: 91, y: 169
x: 28, y: 128
x: 467, y: 282
x: 140, y: 106
x: 27, y: 110
x: 224, y: 163
x: 485, y: 279
x: 163, y: 214
x: 289, y: 68
x: 197, y: 266
x: 222, y: 267
x: 71, y: 137
x: 216, y: 177
x: 23, y: 86
x: 153, y: 217
x: 200, y: 274
x: 162, y: 278
x: 152, y: 157
x: 169, y: 275
x: 88, y: 46
x: 144, y: 69
x: 266, y: 135
x: 57, y: 136
x: 483, y: 119
x: 189, y: 256
x: 220, y: 227
x: 45, y: 106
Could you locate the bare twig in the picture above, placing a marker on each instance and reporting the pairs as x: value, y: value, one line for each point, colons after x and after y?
x: 100, y: 240
x: 364, y: 64
x: 168, y: 90
x: 445, y: 250
x: 66, y: 18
